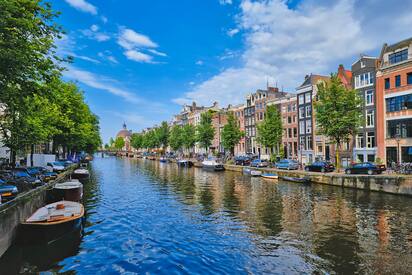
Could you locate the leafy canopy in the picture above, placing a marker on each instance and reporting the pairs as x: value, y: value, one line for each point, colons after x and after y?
x: 270, y: 129
x: 205, y: 130
x: 231, y: 133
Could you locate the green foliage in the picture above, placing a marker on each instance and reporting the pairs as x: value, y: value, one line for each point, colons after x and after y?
x: 205, y: 130
x: 136, y: 141
x: 176, y: 140
x: 163, y: 134
x: 119, y: 143
x: 231, y: 133
x: 111, y: 142
x: 188, y: 133
x: 338, y: 112
x: 106, y: 146
x: 270, y: 129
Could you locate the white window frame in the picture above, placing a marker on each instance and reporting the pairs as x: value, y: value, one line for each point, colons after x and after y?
x: 308, y: 126
x: 308, y: 97
x: 370, y: 113
x: 301, y: 112
x: 359, y: 139
x: 369, y: 141
x: 301, y: 99
x: 309, y: 107
x: 369, y: 94
x: 302, y: 127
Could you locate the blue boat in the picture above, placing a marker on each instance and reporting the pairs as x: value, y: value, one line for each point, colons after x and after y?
x: 271, y: 176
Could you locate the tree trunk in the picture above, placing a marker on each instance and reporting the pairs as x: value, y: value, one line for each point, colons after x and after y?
x: 12, y: 157
x: 31, y: 154
x: 337, y: 155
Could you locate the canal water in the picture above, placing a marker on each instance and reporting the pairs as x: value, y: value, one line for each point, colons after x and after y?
x: 149, y: 217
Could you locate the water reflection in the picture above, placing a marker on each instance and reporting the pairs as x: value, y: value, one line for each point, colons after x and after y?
x: 145, y: 216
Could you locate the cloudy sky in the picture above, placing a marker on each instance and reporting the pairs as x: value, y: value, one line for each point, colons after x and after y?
x: 137, y: 61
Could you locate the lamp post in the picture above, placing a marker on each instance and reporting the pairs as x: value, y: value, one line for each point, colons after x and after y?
x: 398, y: 139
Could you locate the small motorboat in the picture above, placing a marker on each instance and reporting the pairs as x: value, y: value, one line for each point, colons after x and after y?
x: 271, y: 176
x: 69, y: 190
x: 184, y: 163
x: 247, y: 170
x: 212, y: 165
x: 52, y: 221
x: 255, y: 173
x: 80, y: 174
x: 162, y: 159
x: 303, y: 180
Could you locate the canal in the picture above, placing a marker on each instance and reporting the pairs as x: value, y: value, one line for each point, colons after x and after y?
x: 149, y: 217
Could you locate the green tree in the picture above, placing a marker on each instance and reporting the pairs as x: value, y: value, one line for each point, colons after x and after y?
x: 111, y: 142
x: 188, y: 136
x: 106, y: 146
x: 269, y: 131
x: 119, y: 143
x: 231, y: 133
x: 136, y: 141
x: 176, y: 138
x: 205, y: 130
x: 163, y: 134
x: 338, y: 112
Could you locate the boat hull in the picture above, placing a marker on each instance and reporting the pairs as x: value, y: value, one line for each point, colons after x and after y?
x: 185, y: 164
x: 73, y: 194
x: 270, y: 176
x: 218, y: 167
x: 297, y: 180
x: 80, y: 176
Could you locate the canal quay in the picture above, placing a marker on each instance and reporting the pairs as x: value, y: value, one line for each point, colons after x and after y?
x: 144, y: 216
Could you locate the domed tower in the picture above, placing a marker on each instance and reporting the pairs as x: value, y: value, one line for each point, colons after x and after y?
x: 125, y: 135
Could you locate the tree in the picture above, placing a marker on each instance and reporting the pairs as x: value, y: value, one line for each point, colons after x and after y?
x: 231, y: 133
x: 136, y: 141
x: 205, y: 130
x: 119, y: 143
x: 176, y: 138
x: 188, y: 136
x: 111, y: 142
x: 270, y: 129
x: 163, y: 134
x: 338, y: 112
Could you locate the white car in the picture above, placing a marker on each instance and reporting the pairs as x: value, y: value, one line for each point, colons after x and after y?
x: 55, y: 167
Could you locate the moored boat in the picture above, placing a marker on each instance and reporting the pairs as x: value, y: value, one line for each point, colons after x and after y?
x: 163, y: 159
x: 246, y: 170
x: 255, y: 173
x: 304, y: 180
x: 80, y: 174
x: 212, y: 165
x: 270, y: 176
x: 52, y: 221
x: 184, y: 163
x: 69, y: 191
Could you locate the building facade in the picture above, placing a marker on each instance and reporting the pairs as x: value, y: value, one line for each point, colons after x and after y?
x: 394, y: 102
x: 364, y: 71
x: 238, y: 113
x: 125, y: 135
x: 311, y: 146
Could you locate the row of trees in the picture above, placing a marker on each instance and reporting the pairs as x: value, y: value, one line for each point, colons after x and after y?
x: 37, y: 106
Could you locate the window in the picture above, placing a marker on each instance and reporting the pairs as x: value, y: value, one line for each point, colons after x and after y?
x: 289, y: 132
x: 308, y: 126
x: 397, y: 81
x: 402, y: 127
x: 302, y: 144
x: 308, y: 97
x: 301, y: 99
x: 359, y: 141
x: 369, y: 97
x: 363, y: 80
x: 294, y: 107
x: 301, y: 112
x: 406, y: 153
x: 295, y: 132
x: 370, y: 118
x: 289, y: 108
x: 362, y: 64
x: 409, y: 78
x: 398, y: 56
x: 387, y: 83
x: 302, y: 127
x: 289, y: 119
x: 308, y: 111
x: 309, y: 143
x: 398, y: 103
x: 370, y: 139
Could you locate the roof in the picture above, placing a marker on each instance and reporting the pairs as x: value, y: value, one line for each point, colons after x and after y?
x: 313, y: 79
x: 390, y: 48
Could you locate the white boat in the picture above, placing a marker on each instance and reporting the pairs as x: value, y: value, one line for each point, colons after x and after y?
x: 212, y: 165
x: 69, y: 190
x: 255, y: 173
x: 270, y: 176
x: 80, y: 173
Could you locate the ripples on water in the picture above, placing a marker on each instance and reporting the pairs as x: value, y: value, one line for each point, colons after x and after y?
x: 144, y: 216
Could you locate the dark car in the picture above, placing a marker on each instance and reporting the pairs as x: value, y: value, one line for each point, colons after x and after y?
x: 243, y: 160
x: 259, y: 163
x: 7, y: 191
x: 366, y: 168
x: 320, y: 166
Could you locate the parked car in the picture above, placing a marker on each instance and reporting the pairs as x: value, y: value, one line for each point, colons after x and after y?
x: 288, y: 164
x: 56, y: 166
x: 366, y: 168
x: 320, y: 166
x: 242, y: 160
x: 7, y: 191
x: 259, y: 163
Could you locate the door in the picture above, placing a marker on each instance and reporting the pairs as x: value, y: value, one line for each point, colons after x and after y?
x: 327, y: 153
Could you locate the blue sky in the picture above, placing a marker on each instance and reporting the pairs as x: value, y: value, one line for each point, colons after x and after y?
x: 137, y: 61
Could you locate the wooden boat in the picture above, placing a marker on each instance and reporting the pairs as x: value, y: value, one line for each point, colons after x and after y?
x: 212, y: 165
x: 270, y: 176
x: 69, y: 191
x: 304, y: 180
x: 80, y: 174
x: 255, y: 173
x: 184, y: 163
x: 52, y: 221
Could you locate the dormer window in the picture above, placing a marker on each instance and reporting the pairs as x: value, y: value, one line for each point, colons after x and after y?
x: 398, y: 56
x: 362, y: 64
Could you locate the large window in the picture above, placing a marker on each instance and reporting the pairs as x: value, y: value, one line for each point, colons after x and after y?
x: 399, y: 103
x: 369, y: 97
x: 301, y: 99
x: 387, y: 83
x: 301, y: 112
x: 309, y: 144
x: 370, y: 118
x: 363, y: 80
x: 370, y: 139
x: 400, y: 127
x: 308, y: 97
x: 302, y: 144
x: 409, y: 78
x: 308, y: 111
x: 302, y: 127
x: 397, y: 81
x: 406, y: 154
x: 308, y: 126
x: 398, y: 56
x: 359, y: 141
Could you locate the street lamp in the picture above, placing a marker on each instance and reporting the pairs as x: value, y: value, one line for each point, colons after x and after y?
x: 398, y: 139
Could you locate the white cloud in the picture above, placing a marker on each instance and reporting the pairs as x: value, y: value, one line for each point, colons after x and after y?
x: 108, y: 56
x: 129, y: 39
x: 66, y: 46
x: 93, y: 33
x: 225, y: 2
x: 199, y: 62
x: 94, y: 28
x: 284, y: 44
x: 104, y: 19
x: 82, y: 5
x: 153, y: 51
x: 138, y: 56
x: 100, y: 82
x: 232, y: 32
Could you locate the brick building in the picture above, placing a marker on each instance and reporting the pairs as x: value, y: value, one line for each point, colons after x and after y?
x: 238, y: 112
